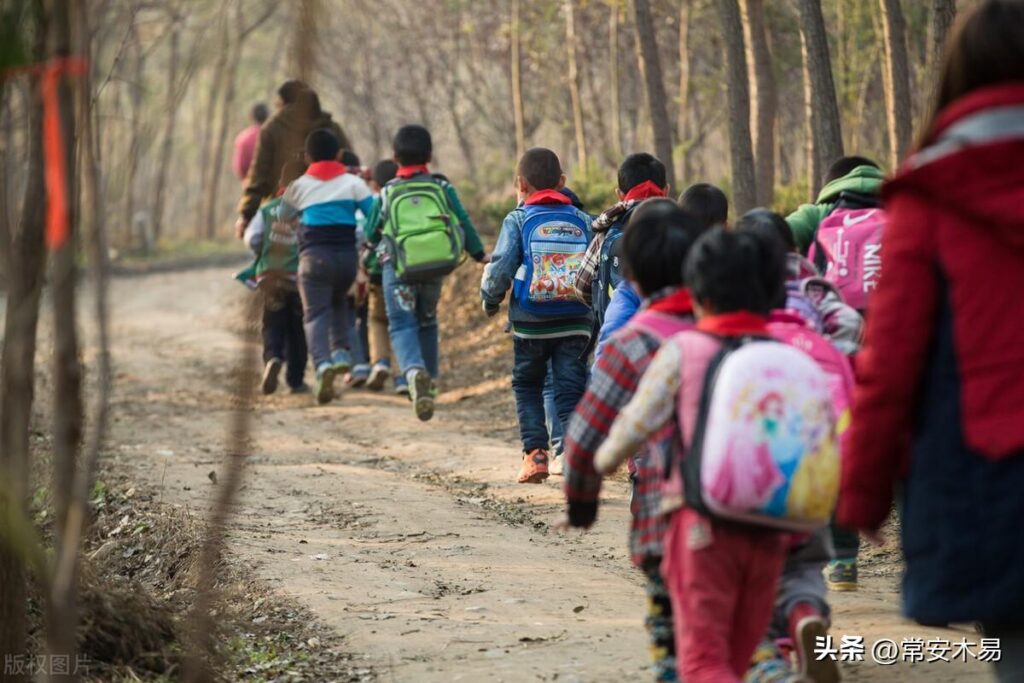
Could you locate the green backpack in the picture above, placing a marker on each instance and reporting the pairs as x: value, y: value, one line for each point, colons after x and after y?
x: 280, y: 254
x: 424, y: 237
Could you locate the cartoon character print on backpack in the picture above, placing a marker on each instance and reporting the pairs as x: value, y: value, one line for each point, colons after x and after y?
x: 554, y: 243
x: 764, y: 449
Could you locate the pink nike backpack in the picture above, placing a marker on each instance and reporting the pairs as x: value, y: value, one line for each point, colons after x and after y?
x: 848, y: 247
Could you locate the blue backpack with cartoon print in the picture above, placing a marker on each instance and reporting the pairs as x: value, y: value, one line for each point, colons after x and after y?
x: 555, y: 239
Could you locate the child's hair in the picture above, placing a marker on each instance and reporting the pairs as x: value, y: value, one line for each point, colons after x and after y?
x: 636, y: 168
x: 844, y: 165
x: 384, y: 171
x: 350, y: 158
x: 290, y: 90
x: 322, y: 145
x: 291, y: 170
x: 259, y: 113
x: 707, y: 203
x: 413, y: 145
x: 769, y: 222
x: 742, y: 270
x: 540, y: 168
x: 659, y: 236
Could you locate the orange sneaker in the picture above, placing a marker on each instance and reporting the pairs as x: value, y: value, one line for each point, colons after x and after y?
x: 535, y: 467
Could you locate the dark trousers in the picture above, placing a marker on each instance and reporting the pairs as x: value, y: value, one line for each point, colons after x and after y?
x: 529, y: 370
x: 326, y: 273
x: 283, y: 334
x: 846, y: 542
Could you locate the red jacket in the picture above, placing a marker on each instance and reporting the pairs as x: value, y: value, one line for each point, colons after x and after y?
x: 956, y: 235
x: 245, y: 149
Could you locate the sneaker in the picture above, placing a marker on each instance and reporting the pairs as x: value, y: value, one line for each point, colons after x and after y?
x: 358, y: 376
x: 535, y: 467
x: 271, y: 371
x: 341, y: 361
x: 324, y: 383
x: 557, y: 466
x: 378, y: 375
x: 421, y: 393
x: 841, y: 575
x: 810, y: 631
x: 769, y: 665
x: 401, y: 385
x: 301, y: 389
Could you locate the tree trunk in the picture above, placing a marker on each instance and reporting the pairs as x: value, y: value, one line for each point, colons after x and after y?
x: 170, y: 123
x: 574, y: 85
x: 741, y: 153
x: 135, y: 134
x: 763, y: 96
x: 304, y: 41
x: 826, y: 140
x: 656, y: 98
x: 811, y: 160
x: 613, y: 78
x: 517, y: 83
x: 62, y: 613
x: 220, y: 139
x: 17, y: 371
x: 940, y: 21
x: 207, y: 119
x: 897, y: 92
x: 682, y: 116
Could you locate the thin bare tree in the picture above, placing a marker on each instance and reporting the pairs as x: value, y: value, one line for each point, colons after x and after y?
x: 685, y: 58
x: 614, y: 97
x: 763, y: 96
x: 516, y: 65
x: 574, y: 84
x: 897, y: 80
x: 741, y: 152
x: 650, y: 61
x: 825, y: 142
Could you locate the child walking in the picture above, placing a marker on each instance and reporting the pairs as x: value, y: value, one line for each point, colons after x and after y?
x: 419, y: 229
x: 326, y: 200
x: 721, y: 575
x: 273, y: 273
x: 538, y: 255
x: 655, y: 244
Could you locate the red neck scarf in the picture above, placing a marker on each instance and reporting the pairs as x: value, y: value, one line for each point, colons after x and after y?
x: 736, y: 324
x: 644, y: 190
x: 325, y: 170
x: 410, y: 171
x: 547, y: 197
x: 678, y: 303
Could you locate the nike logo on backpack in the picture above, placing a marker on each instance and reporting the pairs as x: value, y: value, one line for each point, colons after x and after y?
x: 850, y: 221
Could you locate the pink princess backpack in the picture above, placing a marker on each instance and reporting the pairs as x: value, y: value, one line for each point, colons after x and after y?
x: 759, y: 434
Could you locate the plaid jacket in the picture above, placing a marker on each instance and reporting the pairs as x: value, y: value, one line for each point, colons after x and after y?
x: 613, y: 381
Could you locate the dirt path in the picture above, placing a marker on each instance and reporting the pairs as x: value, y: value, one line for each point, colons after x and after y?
x: 409, y: 539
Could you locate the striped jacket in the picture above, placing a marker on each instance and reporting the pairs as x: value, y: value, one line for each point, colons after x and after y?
x: 613, y: 381
x: 328, y: 200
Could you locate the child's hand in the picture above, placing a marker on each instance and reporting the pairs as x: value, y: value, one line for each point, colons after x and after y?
x: 491, y: 309
x: 240, y: 226
x: 485, y: 258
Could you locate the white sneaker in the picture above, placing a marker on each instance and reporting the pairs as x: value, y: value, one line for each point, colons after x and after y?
x: 557, y: 465
x: 421, y: 391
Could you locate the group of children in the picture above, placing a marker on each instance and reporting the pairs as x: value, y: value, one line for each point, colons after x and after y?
x: 730, y: 528
x: 351, y: 266
x: 740, y: 597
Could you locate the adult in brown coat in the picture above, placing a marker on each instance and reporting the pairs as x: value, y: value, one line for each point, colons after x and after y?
x: 281, y: 140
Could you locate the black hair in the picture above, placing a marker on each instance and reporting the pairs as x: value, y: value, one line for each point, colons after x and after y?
x: 259, y: 112
x: 707, y: 202
x: 540, y: 168
x: 413, y: 145
x: 636, y: 168
x: 844, y: 165
x: 322, y: 145
x: 743, y: 270
x: 770, y: 222
x: 574, y: 198
x: 383, y: 171
x: 290, y: 90
x: 655, y: 243
x: 349, y: 158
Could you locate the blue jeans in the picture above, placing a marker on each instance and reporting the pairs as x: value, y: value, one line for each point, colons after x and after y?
x: 551, y: 420
x: 356, y: 325
x: 325, y: 276
x: 529, y: 370
x: 412, y: 322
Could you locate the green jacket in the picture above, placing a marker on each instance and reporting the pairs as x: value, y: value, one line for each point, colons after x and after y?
x: 804, y: 221
x: 279, y: 251
x: 375, y: 223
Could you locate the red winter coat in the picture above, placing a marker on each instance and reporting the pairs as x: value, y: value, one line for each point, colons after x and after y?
x: 954, y: 247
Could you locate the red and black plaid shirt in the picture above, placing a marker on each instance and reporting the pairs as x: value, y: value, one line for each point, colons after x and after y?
x: 613, y: 381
